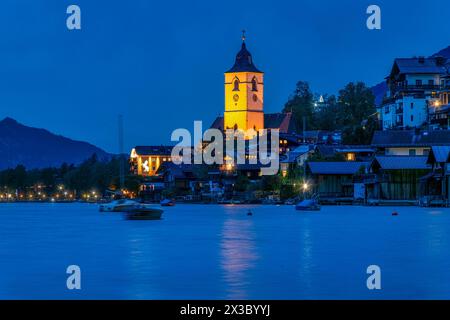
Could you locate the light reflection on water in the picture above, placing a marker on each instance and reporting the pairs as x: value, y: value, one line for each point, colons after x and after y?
x: 218, y: 252
x: 239, y: 255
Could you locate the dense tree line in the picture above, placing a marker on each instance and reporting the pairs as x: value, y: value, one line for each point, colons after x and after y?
x: 352, y: 111
x: 92, y: 174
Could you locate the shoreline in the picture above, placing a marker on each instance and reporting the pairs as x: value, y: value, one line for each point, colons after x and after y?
x: 387, y: 204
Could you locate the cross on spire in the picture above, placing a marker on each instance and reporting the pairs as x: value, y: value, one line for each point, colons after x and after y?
x: 243, y: 35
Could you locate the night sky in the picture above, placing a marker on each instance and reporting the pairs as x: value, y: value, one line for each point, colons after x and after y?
x: 161, y: 63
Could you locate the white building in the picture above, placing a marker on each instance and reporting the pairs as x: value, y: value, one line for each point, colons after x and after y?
x: 413, y: 84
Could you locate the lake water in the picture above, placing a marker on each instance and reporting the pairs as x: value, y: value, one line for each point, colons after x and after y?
x: 218, y: 252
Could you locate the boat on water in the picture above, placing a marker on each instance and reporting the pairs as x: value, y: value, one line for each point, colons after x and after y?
x: 167, y: 203
x: 143, y: 213
x: 118, y: 205
x: 308, y: 205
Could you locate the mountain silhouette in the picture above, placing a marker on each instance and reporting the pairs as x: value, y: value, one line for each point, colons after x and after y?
x: 39, y: 148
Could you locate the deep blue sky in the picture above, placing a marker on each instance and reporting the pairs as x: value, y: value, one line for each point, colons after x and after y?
x: 161, y: 63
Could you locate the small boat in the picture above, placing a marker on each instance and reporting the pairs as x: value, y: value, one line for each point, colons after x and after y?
x: 167, y: 203
x: 308, y: 205
x: 143, y: 213
x: 290, y: 202
x: 118, y: 205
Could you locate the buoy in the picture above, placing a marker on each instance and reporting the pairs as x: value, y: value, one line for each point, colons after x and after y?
x: 395, y: 213
x: 249, y: 213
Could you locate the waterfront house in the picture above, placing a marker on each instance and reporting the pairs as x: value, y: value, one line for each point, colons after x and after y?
x: 409, y: 142
x: 151, y: 190
x: 179, y: 177
x: 295, y: 158
x: 333, y: 181
x: 412, y: 83
x: 439, y: 108
x: 435, y: 186
x: 394, y: 177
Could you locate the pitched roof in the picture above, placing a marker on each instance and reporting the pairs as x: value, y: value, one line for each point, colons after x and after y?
x: 410, y: 138
x: 178, y: 171
x: 420, y: 65
x: 292, y: 156
x: 327, y: 150
x: 439, y: 154
x: 153, y: 150
x: 244, y: 61
x: 401, y: 162
x: 341, y: 167
x: 354, y: 149
x: 218, y: 123
x: 283, y: 121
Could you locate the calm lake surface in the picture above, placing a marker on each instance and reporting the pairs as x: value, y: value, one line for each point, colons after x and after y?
x: 218, y: 252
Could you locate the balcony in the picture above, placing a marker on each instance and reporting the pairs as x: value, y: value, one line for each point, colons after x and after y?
x: 390, y: 100
x: 423, y: 87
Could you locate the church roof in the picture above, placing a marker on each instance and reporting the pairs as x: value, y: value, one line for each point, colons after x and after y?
x: 283, y: 121
x: 244, y: 61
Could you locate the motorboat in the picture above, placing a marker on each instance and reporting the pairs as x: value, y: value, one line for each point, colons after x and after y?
x: 308, y: 205
x: 118, y: 205
x: 140, y: 212
x: 167, y: 203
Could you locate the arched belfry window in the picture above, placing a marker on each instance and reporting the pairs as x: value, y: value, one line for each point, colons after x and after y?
x: 254, y: 84
x: 236, y: 84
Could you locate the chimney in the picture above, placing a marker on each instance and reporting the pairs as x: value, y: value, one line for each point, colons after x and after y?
x: 422, y: 59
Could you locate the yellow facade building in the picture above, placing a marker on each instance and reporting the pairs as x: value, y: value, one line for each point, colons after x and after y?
x: 146, y: 160
x: 244, y: 94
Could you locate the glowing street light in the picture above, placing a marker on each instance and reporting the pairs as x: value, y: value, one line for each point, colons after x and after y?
x: 305, y: 186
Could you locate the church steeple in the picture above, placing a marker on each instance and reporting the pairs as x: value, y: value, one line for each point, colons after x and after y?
x: 244, y: 60
x: 244, y: 93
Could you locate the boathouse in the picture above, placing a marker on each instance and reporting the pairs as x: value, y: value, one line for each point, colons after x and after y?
x: 333, y: 181
x: 435, y: 186
x: 395, y: 178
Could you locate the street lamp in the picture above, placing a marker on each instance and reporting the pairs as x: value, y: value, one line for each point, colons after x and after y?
x: 305, y: 187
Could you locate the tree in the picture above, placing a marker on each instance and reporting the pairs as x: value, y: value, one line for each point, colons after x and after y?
x: 325, y: 119
x: 242, y: 182
x: 356, y: 107
x: 300, y: 103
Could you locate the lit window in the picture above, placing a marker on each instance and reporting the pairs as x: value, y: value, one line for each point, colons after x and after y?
x: 351, y: 157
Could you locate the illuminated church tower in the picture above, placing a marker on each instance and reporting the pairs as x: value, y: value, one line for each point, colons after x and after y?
x: 244, y: 93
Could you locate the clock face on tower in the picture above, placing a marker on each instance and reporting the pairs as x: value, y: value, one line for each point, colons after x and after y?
x: 236, y: 97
